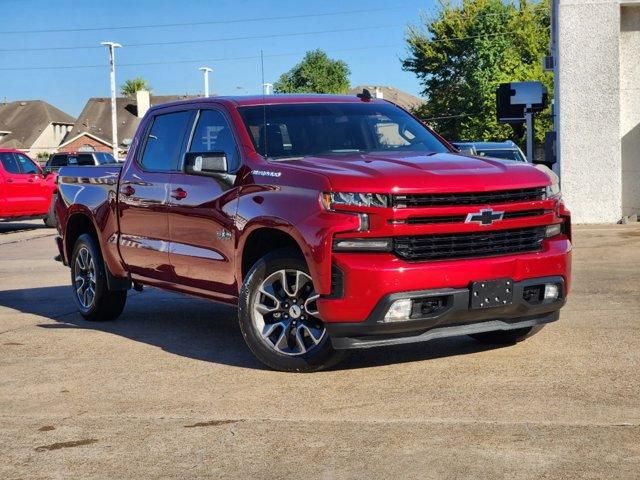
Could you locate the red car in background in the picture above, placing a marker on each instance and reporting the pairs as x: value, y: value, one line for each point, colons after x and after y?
x: 26, y: 192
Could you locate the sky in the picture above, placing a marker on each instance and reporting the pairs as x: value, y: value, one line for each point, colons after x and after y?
x: 369, y: 36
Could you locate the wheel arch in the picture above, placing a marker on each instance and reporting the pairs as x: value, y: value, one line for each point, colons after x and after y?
x: 261, y: 239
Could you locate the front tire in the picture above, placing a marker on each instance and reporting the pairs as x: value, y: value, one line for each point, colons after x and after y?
x: 506, y: 337
x: 89, y: 282
x: 279, y: 319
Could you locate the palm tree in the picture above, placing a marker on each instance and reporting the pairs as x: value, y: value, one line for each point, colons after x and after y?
x: 130, y: 87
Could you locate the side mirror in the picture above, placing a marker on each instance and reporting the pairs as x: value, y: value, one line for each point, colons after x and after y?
x: 208, y: 164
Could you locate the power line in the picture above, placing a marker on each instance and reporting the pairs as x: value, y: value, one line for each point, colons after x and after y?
x: 211, y: 40
x: 192, y: 24
x: 171, y: 62
x: 65, y: 67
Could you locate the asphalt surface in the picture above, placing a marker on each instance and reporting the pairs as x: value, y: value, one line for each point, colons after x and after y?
x: 169, y: 390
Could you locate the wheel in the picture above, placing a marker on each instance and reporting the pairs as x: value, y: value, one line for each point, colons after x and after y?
x: 279, y: 318
x: 506, y: 337
x: 51, y: 220
x: 88, y: 278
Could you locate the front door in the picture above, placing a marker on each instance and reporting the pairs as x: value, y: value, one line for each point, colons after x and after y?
x: 201, y: 214
x: 144, y: 193
x: 37, y: 190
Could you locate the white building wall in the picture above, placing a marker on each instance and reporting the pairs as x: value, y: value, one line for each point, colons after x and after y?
x: 630, y: 108
x: 598, y: 76
x: 50, y: 138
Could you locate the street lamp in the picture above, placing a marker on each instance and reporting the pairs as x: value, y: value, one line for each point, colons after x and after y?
x: 114, y: 121
x: 205, y: 71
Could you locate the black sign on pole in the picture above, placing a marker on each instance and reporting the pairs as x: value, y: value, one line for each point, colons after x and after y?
x: 516, y: 103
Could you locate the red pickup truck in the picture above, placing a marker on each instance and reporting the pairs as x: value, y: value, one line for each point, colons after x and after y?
x: 333, y: 222
x: 26, y: 192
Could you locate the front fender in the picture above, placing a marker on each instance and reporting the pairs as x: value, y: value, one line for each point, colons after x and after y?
x: 298, y: 213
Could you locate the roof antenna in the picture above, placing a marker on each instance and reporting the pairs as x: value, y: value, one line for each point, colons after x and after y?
x: 264, y: 106
x: 365, y: 96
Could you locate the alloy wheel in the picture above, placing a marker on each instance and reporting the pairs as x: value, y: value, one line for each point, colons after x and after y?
x: 285, y: 314
x: 85, y: 278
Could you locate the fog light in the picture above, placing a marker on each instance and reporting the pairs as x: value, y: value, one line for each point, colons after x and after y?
x: 551, y: 291
x: 399, y: 311
x: 553, y: 230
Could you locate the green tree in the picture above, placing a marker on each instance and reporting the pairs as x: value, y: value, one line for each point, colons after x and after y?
x: 316, y: 73
x: 130, y: 87
x: 466, y: 51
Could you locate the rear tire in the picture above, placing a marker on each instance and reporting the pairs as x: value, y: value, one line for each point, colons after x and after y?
x: 278, y: 317
x: 89, y: 283
x: 506, y: 337
x: 51, y: 220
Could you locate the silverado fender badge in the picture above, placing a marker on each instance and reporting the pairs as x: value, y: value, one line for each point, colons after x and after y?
x: 484, y: 217
x: 266, y: 173
x: 224, y: 234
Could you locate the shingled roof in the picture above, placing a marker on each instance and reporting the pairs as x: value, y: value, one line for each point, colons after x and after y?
x: 95, y: 118
x: 26, y: 120
x: 403, y: 99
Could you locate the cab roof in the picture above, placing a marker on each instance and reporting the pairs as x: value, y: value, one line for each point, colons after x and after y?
x: 276, y: 99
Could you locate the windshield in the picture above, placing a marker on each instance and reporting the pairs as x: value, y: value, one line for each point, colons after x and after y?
x: 300, y: 130
x: 502, y: 154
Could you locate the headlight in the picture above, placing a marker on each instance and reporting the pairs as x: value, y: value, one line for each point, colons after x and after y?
x: 552, y: 191
x: 333, y: 199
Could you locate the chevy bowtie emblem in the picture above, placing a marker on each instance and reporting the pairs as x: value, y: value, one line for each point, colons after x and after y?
x: 484, y: 217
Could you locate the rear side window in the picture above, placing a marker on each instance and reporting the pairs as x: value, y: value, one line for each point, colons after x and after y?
x: 104, y: 158
x: 85, y: 159
x: 164, y: 142
x: 9, y: 163
x: 213, y: 134
x: 26, y: 165
x: 58, y: 161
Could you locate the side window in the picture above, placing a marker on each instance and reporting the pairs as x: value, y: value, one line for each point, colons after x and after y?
x: 213, y: 134
x: 58, y: 161
x: 164, y: 142
x: 26, y: 164
x: 9, y: 163
x: 85, y: 159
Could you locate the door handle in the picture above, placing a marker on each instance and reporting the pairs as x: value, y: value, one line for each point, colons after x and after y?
x: 9, y: 180
x: 31, y: 180
x: 179, y: 193
x: 128, y: 190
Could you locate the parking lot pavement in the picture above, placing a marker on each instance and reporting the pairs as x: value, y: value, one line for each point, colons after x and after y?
x: 169, y: 389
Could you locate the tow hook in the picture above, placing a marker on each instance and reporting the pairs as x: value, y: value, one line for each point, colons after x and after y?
x: 138, y: 287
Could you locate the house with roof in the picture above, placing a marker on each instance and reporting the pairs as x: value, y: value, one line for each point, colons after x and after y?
x: 33, y: 126
x: 399, y: 97
x: 92, y: 129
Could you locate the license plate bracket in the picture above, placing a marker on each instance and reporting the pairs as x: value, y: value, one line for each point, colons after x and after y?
x: 492, y: 293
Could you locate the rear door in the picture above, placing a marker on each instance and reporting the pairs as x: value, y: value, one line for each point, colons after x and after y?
x: 202, y: 211
x: 143, y: 195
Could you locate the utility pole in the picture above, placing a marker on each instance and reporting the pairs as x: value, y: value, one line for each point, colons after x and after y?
x: 114, y: 120
x: 205, y: 71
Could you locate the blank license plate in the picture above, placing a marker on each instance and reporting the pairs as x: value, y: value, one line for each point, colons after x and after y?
x: 492, y: 293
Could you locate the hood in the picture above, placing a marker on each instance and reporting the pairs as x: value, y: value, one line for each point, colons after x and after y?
x: 414, y: 172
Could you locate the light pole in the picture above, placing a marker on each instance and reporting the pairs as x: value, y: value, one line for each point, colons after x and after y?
x: 205, y: 71
x: 114, y: 120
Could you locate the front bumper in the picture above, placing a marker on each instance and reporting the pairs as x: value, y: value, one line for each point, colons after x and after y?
x: 454, y: 317
x: 367, y: 278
